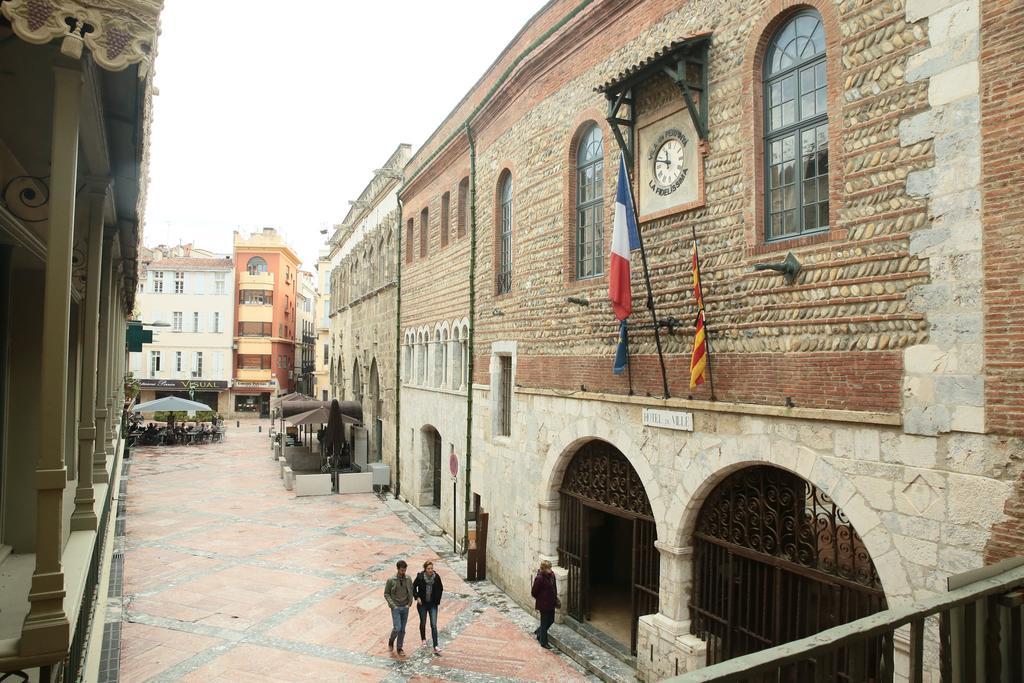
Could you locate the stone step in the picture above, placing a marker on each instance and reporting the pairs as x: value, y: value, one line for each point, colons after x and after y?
x: 602, y: 640
x: 597, y: 660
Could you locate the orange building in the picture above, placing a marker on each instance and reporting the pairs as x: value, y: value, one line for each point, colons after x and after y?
x: 266, y: 276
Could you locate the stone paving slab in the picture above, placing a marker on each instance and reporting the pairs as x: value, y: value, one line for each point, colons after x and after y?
x: 229, y: 577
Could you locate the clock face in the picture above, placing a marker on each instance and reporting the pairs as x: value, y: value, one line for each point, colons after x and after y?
x: 668, y: 162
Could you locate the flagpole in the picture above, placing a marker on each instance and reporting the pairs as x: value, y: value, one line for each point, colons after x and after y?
x: 701, y: 311
x: 647, y: 281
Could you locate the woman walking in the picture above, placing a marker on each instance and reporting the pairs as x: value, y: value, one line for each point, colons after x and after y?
x: 545, y: 592
x: 427, y: 589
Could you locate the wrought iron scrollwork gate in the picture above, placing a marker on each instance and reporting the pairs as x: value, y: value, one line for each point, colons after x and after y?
x: 776, y: 560
x: 600, y: 478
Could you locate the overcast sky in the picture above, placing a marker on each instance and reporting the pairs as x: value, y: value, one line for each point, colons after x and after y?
x: 277, y: 117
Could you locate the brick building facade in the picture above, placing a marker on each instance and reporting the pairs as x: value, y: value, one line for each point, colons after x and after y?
x: 882, y: 382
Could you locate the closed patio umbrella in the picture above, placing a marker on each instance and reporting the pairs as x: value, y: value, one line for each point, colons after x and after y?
x: 171, y: 404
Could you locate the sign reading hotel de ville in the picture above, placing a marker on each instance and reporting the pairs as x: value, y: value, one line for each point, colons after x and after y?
x: 669, y: 165
x: 668, y: 419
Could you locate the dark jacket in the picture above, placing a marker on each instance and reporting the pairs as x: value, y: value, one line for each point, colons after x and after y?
x: 545, y: 592
x: 419, y: 590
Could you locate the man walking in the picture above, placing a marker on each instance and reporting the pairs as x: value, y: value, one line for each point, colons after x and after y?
x: 398, y: 593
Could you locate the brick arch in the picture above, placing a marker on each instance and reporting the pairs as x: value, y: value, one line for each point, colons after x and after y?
x: 774, y: 16
x: 582, y: 123
x: 711, y: 467
x: 574, y: 436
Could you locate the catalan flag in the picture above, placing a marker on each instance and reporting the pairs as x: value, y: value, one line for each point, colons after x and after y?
x: 699, y: 357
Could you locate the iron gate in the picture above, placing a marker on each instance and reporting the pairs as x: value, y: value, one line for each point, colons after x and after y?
x: 776, y: 560
x: 600, y: 478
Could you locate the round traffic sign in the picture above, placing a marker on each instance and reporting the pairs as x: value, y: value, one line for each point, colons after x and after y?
x: 453, y: 464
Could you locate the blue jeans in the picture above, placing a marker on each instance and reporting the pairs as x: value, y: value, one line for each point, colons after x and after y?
x: 399, y: 617
x: 424, y: 610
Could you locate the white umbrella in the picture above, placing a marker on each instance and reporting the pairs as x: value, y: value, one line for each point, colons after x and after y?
x: 170, y: 403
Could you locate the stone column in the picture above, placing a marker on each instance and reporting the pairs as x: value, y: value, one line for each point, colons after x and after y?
x: 46, y: 628
x: 99, y: 467
x: 84, y: 516
x: 665, y: 646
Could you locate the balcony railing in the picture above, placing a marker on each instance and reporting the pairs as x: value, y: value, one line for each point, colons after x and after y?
x: 979, y: 638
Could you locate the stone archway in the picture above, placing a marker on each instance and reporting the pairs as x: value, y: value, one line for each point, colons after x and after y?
x: 775, y: 560
x: 606, y: 542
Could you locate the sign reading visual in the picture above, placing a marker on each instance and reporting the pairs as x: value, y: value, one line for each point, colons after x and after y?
x: 185, y: 384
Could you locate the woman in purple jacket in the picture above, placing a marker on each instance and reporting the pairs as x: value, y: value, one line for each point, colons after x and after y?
x: 545, y: 593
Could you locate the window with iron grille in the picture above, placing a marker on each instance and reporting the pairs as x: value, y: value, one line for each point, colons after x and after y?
x: 179, y: 283
x: 796, y: 129
x: 505, y: 422
x: 504, y: 275
x: 590, y: 204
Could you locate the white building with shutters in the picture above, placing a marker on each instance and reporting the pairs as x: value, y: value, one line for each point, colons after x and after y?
x: 192, y: 291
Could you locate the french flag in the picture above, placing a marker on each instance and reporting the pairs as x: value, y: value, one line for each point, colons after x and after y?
x: 625, y: 239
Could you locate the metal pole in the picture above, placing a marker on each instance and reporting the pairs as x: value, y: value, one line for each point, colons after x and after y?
x: 455, y: 543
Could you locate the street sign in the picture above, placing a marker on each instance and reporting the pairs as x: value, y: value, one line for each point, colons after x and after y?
x: 453, y: 464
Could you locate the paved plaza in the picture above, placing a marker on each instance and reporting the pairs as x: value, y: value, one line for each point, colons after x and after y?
x: 229, y: 577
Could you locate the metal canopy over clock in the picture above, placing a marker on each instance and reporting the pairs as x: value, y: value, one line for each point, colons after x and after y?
x: 664, y: 148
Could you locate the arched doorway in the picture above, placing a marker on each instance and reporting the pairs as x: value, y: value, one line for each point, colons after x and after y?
x: 432, y: 462
x: 606, y: 542
x: 376, y: 442
x: 776, y: 560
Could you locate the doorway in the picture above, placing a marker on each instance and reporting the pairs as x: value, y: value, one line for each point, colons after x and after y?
x: 776, y: 560
x: 435, y: 467
x: 606, y: 543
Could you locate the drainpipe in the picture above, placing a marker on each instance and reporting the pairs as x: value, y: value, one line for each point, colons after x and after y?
x: 398, y: 353
x: 470, y: 345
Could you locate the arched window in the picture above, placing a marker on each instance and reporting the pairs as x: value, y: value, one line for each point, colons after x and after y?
x: 421, y: 358
x: 796, y: 129
x: 424, y: 231
x: 504, y: 274
x: 256, y: 265
x: 408, y: 241
x: 463, y: 207
x: 371, y: 271
x: 456, y: 358
x: 446, y: 199
x: 590, y: 204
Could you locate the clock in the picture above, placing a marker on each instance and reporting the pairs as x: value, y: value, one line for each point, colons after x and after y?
x: 668, y: 161
x: 669, y: 164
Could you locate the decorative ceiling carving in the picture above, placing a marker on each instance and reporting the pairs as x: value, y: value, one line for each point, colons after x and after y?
x: 118, y: 33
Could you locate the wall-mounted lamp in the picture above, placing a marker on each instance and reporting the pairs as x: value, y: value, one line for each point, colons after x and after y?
x: 578, y: 300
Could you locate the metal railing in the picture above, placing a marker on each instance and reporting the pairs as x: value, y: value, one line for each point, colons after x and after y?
x: 979, y: 638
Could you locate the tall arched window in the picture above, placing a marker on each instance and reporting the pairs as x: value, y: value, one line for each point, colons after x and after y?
x: 446, y: 199
x: 408, y: 241
x: 463, y: 207
x: 256, y: 265
x: 590, y: 204
x: 504, y: 275
x: 796, y: 129
x: 424, y: 232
